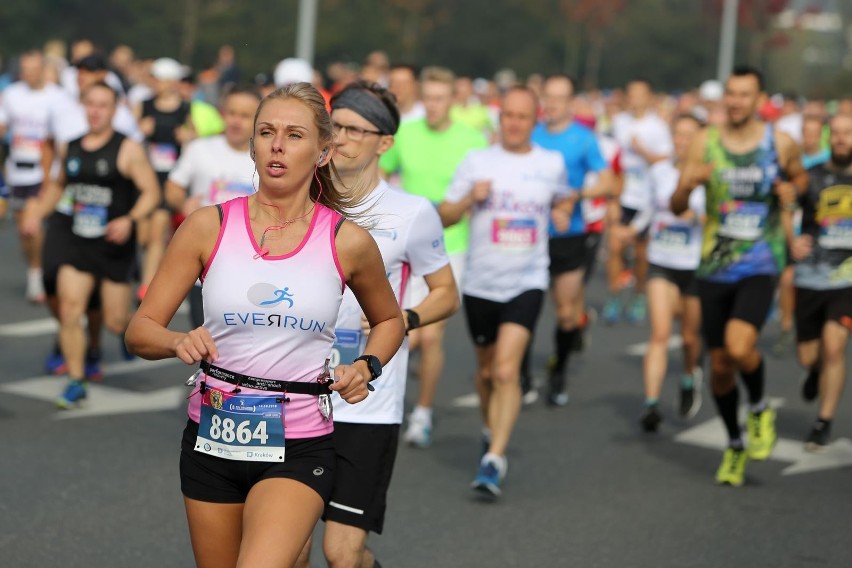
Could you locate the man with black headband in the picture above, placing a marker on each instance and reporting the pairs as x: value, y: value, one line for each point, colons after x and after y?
x: 824, y: 279
x: 410, y: 237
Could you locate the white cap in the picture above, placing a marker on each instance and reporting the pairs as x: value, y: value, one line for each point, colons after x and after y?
x: 293, y: 70
x: 167, y: 69
x: 711, y: 90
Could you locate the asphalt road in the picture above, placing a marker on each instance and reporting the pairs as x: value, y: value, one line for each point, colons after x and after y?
x: 99, y: 487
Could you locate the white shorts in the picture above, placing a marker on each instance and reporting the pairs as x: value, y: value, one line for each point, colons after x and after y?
x: 418, y: 290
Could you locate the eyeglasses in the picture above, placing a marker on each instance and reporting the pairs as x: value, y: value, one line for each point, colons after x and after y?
x: 354, y: 133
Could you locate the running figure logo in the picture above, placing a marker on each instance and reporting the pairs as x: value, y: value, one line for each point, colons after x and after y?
x: 267, y: 295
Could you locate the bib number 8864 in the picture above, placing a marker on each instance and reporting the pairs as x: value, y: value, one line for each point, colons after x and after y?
x: 227, y: 430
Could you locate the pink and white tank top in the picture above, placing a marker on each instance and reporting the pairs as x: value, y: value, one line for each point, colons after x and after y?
x: 273, y: 316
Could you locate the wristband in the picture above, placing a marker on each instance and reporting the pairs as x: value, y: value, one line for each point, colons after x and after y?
x: 413, y: 320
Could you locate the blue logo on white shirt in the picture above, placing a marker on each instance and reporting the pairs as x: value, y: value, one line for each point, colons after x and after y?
x: 267, y: 295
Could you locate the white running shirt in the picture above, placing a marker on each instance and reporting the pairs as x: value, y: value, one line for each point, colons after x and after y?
x: 675, y: 242
x: 29, y: 116
x: 211, y: 169
x: 653, y: 134
x: 508, y: 252
x: 410, y: 237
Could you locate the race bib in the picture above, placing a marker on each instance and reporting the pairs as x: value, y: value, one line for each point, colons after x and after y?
x: 241, y: 427
x: 163, y: 157
x: 223, y: 190
x: 26, y: 149
x: 347, y: 346
x: 90, y: 221
x: 835, y: 234
x: 743, y: 220
x: 673, y: 238
x: 514, y: 234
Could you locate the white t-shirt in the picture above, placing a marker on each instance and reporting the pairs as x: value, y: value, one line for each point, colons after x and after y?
x: 653, y: 134
x: 68, y: 81
x: 417, y: 111
x: 674, y: 242
x: 410, y: 237
x: 71, y: 122
x: 29, y: 116
x: 508, y: 252
x: 792, y: 125
x: 211, y: 169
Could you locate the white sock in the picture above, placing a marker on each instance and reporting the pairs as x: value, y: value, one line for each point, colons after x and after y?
x: 422, y: 412
x: 759, y: 407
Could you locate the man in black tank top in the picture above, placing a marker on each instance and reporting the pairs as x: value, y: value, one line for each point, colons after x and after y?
x: 102, y: 172
x: 162, y: 120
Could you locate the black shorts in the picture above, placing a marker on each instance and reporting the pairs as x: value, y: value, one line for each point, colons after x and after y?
x: 365, y: 457
x: 567, y: 254
x: 216, y: 480
x: 815, y: 307
x: 21, y: 194
x: 54, y: 252
x: 103, y: 260
x: 484, y: 317
x: 627, y: 216
x: 749, y: 300
x: 684, y: 279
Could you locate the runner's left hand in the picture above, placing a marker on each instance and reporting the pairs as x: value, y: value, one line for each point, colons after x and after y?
x: 118, y: 230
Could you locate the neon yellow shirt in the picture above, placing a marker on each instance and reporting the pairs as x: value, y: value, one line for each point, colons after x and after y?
x: 427, y: 160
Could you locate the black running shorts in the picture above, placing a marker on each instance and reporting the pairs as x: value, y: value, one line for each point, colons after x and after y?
x: 484, y: 317
x: 567, y: 254
x: 815, y: 307
x: 217, y: 480
x: 685, y: 280
x: 748, y: 300
x: 365, y: 458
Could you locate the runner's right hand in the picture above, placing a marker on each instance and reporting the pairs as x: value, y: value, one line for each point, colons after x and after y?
x: 481, y: 190
x: 196, y: 346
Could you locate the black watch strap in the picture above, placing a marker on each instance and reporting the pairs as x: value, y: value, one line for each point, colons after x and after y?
x: 373, y: 364
x: 413, y: 320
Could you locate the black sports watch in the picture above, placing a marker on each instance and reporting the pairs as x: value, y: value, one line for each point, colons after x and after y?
x: 373, y: 364
x: 413, y: 320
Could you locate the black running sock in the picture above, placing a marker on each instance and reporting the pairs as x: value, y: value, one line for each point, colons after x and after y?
x: 727, y: 404
x: 754, y: 383
x: 564, y: 342
x: 526, y: 372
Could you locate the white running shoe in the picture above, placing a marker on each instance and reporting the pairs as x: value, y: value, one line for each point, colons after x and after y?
x: 419, y: 432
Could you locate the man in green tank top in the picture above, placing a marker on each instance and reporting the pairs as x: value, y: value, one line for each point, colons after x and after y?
x: 752, y: 175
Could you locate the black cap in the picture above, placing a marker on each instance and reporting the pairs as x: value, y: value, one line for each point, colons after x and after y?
x: 92, y: 63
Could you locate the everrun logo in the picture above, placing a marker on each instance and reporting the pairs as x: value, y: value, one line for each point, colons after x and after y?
x: 269, y: 296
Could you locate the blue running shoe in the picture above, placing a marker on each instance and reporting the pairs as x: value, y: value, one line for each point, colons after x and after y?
x: 93, y: 369
x: 638, y: 310
x: 73, y: 394
x: 55, y: 364
x: 490, y: 476
x: 611, y: 310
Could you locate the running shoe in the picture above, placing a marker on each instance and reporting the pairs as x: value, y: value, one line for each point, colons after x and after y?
x: 489, y: 477
x: 73, y: 394
x: 651, y: 419
x: 761, y: 434
x: 817, y: 440
x: 557, y: 391
x: 611, y: 310
x: 638, y: 309
x: 55, y: 364
x: 810, y: 386
x: 689, y: 399
x: 732, y: 470
x: 92, y: 368
x: 783, y: 344
x: 529, y: 394
x: 419, y: 432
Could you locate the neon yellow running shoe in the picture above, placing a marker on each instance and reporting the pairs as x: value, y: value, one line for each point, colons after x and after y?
x: 732, y: 470
x: 761, y: 434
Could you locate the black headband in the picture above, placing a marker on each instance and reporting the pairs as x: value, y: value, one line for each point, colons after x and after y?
x: 369, y: 107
